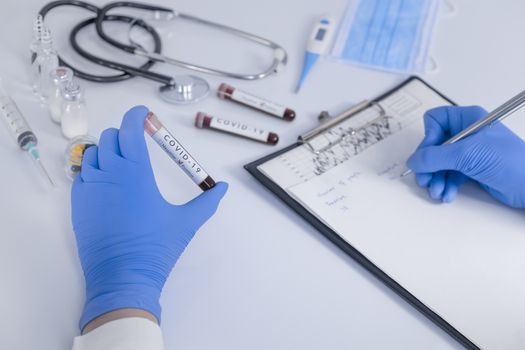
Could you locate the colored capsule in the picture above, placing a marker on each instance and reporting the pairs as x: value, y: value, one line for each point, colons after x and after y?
x: 205, y: 121
x: 75, y: 153
x: 227, y: 92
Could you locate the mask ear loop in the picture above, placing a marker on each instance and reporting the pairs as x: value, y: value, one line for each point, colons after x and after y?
x: 450, y: 8
x: 431, y: 65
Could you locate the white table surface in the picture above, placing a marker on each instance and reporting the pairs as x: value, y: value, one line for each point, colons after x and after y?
x: 256, y: 276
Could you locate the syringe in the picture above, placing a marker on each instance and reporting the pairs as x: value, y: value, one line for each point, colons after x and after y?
x: 19, y: 128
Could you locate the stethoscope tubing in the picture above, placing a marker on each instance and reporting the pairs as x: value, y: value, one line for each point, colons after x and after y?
x: 277, y: 61
x: 104, y: 12
x: 100, y: 78
x: 155, y: 55
x: 134, y: 71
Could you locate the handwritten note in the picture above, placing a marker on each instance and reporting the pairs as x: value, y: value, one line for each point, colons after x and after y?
x: 464, y: 260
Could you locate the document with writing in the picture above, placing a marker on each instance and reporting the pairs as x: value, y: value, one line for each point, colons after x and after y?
x: 464, y: 260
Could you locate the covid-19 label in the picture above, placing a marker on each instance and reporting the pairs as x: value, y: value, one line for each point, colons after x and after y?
x: 240, y: 129
x: 179, y: 154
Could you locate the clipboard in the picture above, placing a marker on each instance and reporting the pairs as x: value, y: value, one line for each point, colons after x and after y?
x: 335, y: 238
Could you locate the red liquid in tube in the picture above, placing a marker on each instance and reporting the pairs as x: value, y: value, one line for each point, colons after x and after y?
x: 205, y: 121
x: 227, y: 92
x: 177, y: 152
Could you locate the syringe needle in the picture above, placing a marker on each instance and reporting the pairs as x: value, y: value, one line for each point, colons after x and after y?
x: 44, y: 171
x: 24, y: 137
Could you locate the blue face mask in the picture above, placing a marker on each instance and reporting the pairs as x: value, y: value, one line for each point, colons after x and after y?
x: 391, y: 35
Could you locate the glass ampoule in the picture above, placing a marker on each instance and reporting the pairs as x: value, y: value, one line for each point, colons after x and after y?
x: 34, y: 48
x: 46, y: 60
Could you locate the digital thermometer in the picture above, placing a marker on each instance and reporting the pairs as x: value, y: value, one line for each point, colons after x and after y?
x: 318, y: 42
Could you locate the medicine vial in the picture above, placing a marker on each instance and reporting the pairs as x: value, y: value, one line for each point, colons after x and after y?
x: 177, y: 152
x: 227, y: 92
x: 205, y: 121
x: 59, y: 77
x: 46, y: 60
x: 74, y: 114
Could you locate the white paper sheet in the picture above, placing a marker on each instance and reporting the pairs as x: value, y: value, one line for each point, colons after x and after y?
x: 464, y: 260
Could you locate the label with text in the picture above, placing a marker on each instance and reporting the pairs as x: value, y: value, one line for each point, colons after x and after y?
x: 179, y: 154
x: 259, y: 103
x: 240, y: 129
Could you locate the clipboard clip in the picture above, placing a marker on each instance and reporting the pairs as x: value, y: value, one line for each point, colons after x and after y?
x: 328, y: 122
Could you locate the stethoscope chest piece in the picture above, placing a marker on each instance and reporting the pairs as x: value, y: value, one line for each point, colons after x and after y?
x: 185, y: 89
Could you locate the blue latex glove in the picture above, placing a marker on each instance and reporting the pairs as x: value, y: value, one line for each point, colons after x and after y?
x: 128, y: 236
x: 494, y: 157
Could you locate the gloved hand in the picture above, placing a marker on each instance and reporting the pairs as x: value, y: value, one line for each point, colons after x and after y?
x: 128, y: 236
x: 494, y: 157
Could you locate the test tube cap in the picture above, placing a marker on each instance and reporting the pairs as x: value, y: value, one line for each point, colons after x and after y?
x: 225, y: 91
x: 202, y: 120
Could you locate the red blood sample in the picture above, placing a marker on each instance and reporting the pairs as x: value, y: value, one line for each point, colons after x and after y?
x: 227, y: 92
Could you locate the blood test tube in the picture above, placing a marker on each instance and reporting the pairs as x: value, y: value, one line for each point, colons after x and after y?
x: 177, y: 152
x: 205, y: 121
x: 227, y: 92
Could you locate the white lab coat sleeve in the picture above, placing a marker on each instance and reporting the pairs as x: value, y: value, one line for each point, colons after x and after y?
x: 132, y: 333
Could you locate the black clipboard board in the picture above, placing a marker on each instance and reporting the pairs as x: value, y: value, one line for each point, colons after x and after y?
x: 252, y: 168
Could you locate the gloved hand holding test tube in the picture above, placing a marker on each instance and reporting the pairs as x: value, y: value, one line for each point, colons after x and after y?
x: 177, y: 152
x: 129, y: 236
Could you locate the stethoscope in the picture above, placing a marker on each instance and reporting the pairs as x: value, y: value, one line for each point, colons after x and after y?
x: 174, y: 89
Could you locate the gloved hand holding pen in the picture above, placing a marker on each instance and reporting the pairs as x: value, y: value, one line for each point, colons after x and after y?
x: 128, y: 236
x: 494, y: 157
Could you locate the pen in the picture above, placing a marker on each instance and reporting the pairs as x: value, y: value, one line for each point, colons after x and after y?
x: 500, y: 113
